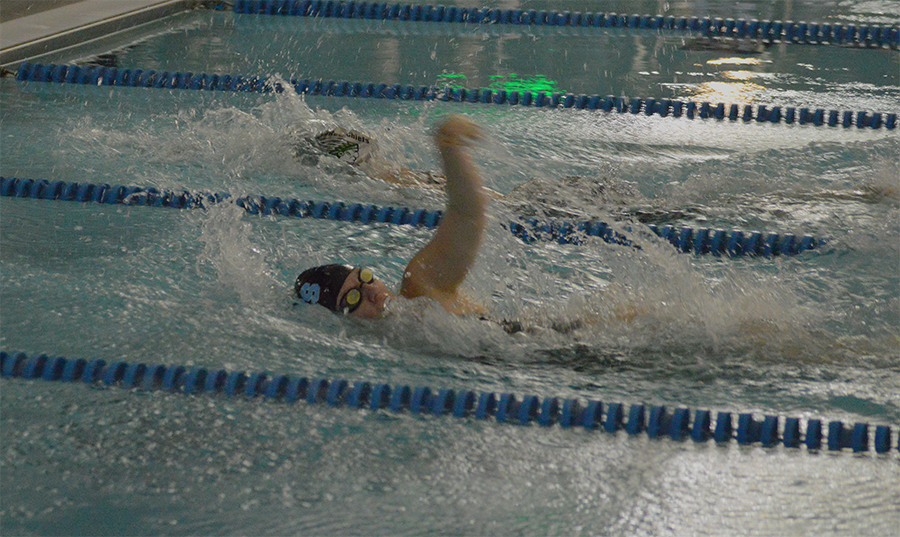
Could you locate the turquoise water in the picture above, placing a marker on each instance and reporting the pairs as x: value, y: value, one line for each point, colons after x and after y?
x: 813, y: 336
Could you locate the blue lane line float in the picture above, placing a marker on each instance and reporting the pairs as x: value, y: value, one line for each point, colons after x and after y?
x: 677, y: 424
x: 810, y: 33
x: 111, y: 76
x: 700, y: 241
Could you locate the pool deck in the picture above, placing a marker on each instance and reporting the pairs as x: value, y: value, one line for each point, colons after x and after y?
x: 34, y: 28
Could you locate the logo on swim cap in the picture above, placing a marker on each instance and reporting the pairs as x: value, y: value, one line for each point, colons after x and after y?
x: 309, y: 292
x: 349, y: 146
x: 322, y: 285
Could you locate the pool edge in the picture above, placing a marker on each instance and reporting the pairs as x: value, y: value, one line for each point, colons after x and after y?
x: 51, y: 31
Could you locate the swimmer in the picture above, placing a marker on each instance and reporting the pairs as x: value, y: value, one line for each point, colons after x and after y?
x: 439, y: 268
x: 361, y: 152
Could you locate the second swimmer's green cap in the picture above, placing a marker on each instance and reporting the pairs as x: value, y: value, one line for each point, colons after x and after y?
x: 352, y: 147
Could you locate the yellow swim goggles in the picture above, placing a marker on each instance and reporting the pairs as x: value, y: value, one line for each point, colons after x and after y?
x: 353, y: 298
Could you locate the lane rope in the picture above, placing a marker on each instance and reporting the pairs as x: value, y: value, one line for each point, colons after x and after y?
x: 700, y: 241
x: 810, y: 33
x: 654, y: 421
x: 740, y: 114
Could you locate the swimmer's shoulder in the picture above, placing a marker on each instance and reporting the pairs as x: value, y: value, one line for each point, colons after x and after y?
x: 457, y: 302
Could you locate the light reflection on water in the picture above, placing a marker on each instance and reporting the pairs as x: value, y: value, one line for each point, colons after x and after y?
x: 271, y: 469
x: 813, y: 336
x: 809, y: 336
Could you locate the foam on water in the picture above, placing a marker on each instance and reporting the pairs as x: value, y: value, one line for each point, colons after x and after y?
x: 630, y: 300
x: 615, y: 291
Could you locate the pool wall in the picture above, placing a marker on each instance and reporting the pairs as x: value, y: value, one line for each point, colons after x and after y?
x: 57, y: 29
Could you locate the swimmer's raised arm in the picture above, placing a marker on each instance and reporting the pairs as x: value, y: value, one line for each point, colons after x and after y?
x: 441, y: 266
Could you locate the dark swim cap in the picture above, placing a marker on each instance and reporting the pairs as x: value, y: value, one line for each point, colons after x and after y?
x: 322, y: 285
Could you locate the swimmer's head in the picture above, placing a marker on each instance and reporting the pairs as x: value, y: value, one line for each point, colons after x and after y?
x: 352, y: 147
x: 343, y: 289
x: 322, y: 285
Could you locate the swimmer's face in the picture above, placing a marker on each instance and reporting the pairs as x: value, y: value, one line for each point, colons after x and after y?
x: 373, y: 296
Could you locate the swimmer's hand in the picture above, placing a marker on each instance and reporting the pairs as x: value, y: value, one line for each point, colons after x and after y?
x: 457, y: 131
x: 465, y: 195
x: 440, y: 267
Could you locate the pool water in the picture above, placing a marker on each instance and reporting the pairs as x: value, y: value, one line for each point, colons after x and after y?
x: 811, y: 336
